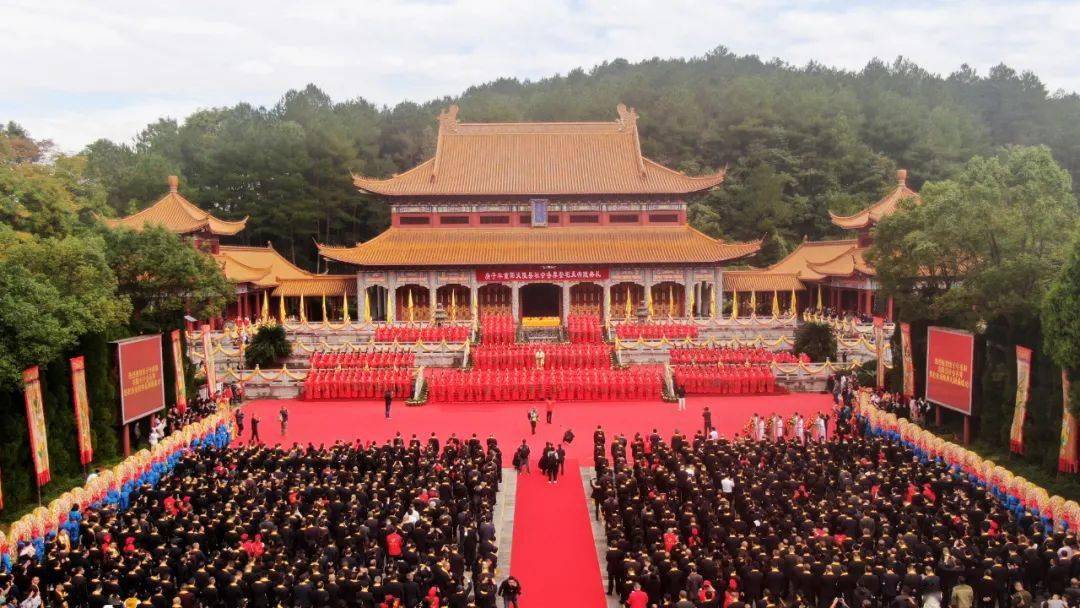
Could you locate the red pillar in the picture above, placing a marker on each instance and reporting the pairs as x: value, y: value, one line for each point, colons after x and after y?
x: 889, y: 309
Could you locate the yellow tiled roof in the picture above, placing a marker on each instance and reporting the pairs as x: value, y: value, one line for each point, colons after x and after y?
x: 802, y: 260
x: 177, y: 214
x: 883, y: 208
x: 761, y: 280
x: 317, y: 285
x: 538, y: 159
x: 845, y: 265
x: 260, y: 266
x: 539, y: 246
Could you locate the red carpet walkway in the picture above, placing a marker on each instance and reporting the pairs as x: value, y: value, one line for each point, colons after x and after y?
x: 328, y: 421
x: 554, y: 554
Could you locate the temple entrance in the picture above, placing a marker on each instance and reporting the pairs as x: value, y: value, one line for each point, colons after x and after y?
x: 540, y: 300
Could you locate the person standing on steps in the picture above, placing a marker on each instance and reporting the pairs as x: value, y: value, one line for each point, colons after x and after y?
x: 550, y: 409
x: 388, y: 398
x: 534, y: 417
x: 255, y: 429
x: 706, y: 416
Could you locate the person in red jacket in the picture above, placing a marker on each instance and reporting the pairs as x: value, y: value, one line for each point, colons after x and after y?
x: 637, y: 598
x: 394, y: 543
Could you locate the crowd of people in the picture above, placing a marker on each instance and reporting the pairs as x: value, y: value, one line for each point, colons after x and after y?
x: 456, y: 385
x: 725, y: 380
x: 541, y: 356
x: 708, y: 355
x: 497, y: 329
x: 422, y: 333
x: 584, y: 328
x: 379, y: 358
x: 856, y: 521
x: 656, y: 331
x: 402, y: 524
x: 358, y: 383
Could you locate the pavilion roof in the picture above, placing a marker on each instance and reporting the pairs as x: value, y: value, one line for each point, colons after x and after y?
x: 317, y: 285
x: 815, y: 260
x: 552, y: 158
x: 260, y: 266
x: 540, y: 246
x: 177, y: 214
x: 883, y: 208
x: 761, y: 280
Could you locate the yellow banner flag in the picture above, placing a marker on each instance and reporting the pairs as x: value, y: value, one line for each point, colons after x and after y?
x: 794, y: 300
x: 345, y: 307
x: 324, y: 317
x: 734, y: 305
x: 266, y: 306
x: 303, y: 313
x: 281, y: 308
x: 775, y: 304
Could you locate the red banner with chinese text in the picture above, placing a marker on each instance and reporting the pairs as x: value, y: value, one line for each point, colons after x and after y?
x: 35, y: 420
x: 82, y: 409
x: 1023, y: 384
x: 142, y: 376
x: 1067, y: 457
x: 950, y: 362
x: 879, y: 346
x: 908, y: 362
x: 178, y: 372
x: 208, y: 360
x: 540, y: 274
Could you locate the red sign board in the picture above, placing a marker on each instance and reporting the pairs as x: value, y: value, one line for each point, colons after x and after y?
x: 142, y: 377
x: 950, y: 358
x: 542, y: 274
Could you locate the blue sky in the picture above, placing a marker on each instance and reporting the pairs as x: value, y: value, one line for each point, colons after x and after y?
x: 77, y: 70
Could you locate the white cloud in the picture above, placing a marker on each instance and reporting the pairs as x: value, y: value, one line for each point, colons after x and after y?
x: 80, y: 70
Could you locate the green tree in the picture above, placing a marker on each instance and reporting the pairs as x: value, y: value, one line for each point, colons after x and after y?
x: 1061, y: 320
x: 269, y: 347
x: 816, y: 340
x: 164, y: 277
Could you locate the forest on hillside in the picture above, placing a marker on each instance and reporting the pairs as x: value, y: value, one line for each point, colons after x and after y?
x: 797, y: 141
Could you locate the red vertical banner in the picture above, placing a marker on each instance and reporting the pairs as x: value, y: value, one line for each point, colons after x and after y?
x: 82, y: 409
x: 35, y: 420
x: 178, y: 372
x: 208, y: 361
x: 908, y: 362
x: 1067, y: 457
x: 1023, y: 384
x: 879, y: 346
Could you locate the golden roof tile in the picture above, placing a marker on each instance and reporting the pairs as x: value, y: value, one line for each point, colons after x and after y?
x: 883, y: 208
x: 539, y: 246
x: 317, y: 285
x: 177, y: 214
x: 555, y: 158
x: 761, y: 280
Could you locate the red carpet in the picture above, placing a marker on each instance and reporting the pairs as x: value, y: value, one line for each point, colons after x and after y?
x: 328, y: 421
x: 554, y: 555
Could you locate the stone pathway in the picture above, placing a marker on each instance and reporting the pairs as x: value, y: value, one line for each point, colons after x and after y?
x: 504, y: 520
x: 599, y: 535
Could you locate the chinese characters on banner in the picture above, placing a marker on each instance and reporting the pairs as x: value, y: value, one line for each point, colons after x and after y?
x: 35, y: 419
x: 950, y: 357
x: 557, y: 274
x: 879, y: 346
x: 908, y: 362
x: 1023, y: 382
x: 82, y: 409
x: 1069, y: 428
x: 178, y: 368
x: 208, y: 359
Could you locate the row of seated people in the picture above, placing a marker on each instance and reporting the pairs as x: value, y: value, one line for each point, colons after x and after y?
x: 728, y: 380
x: 542, y: 356
x: 358, y: 383
x: 656, y: 331
x: 709, y: 356
x: 426, y: 333
x: 584, y: 329
x: 402, y: 523
x: 447, y: 385
x: 498, y: 329
x: 321, y: 360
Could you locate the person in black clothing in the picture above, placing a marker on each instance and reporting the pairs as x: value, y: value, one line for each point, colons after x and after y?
x: 706, y: 416
x: 568, y: 437
x: 255, y: 429
x: 301, y: 526
x: 856, y: 520
x: 283, y: 418
x: 239, y: 422
x: 388, y: 398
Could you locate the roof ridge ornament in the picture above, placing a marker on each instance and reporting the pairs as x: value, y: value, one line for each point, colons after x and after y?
x: 448, y: 121
x: 174, y: 183
x: 901, y: 177
x: 628, y: 121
